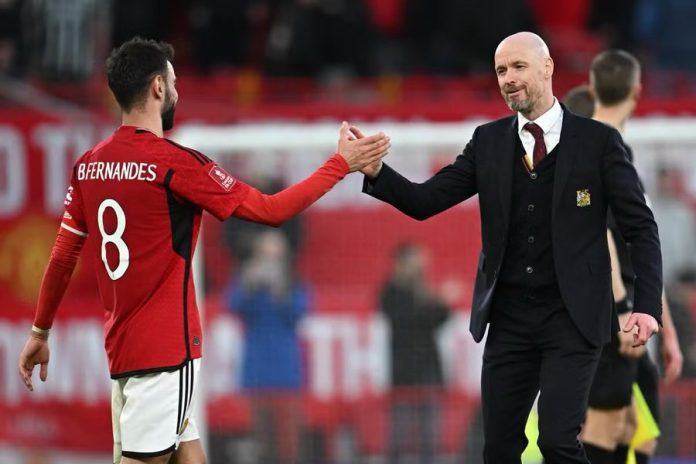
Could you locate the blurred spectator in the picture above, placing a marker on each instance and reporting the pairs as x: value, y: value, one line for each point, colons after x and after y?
x: 240, y: 235
x: 614, y: 21
x: 564, y: 25
x: 552, y: 16
x: 270, y: 303
x: 10, y: 36
x: 682, y: 303
x: 456, y: 36
x: 225, y: 31
x: 675, y: 220
x: 414, y: 314
x: 137, y: 18
x: 665, y: 28
x: 36, y: 456
x: 69, y: 36
x: 320, y: 38
x: 579, y: 101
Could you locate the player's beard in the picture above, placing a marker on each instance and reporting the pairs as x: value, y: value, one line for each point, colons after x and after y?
x: 168, y: 112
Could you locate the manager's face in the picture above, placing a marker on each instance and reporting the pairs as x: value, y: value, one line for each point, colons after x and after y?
x: 524, y: 75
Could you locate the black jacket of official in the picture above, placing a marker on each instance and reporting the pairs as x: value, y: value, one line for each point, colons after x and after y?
x: 591, y: 173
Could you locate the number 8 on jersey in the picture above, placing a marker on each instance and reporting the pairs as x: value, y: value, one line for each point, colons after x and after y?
x: 115, y: 238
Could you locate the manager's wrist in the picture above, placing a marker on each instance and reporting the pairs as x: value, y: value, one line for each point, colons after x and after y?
x: 378, y: 170
x: 371, y: 174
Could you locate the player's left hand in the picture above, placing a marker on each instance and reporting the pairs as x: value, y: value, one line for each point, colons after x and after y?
x: 35, y: 352
x: 647, y: 326
x: 672, y: 358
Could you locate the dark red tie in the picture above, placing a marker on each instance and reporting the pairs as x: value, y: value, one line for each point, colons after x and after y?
x: 539, y: 144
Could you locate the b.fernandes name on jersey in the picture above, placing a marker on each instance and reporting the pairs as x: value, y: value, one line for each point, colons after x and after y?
x: 115, y: 170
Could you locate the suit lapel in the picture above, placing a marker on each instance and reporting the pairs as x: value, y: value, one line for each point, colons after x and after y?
x: 567, y: 149
x: 505, y: 159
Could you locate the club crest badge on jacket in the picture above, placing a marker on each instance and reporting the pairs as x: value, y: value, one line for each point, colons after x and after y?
x: 583, y: 198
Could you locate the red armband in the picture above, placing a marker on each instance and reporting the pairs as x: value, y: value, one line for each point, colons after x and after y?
x: 276, y: 209
x: 55, y: 281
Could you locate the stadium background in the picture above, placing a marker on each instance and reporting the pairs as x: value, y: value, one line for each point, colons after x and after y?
x: 263, y: 86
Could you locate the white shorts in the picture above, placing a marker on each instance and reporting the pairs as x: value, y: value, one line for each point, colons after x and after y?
x: 151, y: 414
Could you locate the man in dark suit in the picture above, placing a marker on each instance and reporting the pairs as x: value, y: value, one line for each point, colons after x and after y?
x: 545, y: 178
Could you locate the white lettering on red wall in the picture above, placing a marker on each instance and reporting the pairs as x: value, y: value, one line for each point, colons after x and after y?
x: 61, y: 146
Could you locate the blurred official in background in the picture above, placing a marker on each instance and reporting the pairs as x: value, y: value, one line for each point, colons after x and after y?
x: 615, y: 88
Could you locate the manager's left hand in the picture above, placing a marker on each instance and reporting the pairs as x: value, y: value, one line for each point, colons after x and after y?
x: 647, y: 325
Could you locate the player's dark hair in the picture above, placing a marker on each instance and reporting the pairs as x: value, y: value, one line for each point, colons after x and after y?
x: 131, y: 67
x: 614, y: 73
x: 579, y: 101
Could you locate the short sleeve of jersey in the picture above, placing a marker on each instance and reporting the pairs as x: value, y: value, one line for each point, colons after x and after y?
x: 194, y: 177
x: 74, y: 216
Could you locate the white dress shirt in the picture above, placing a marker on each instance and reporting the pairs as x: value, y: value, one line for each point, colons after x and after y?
x: 550, y: 122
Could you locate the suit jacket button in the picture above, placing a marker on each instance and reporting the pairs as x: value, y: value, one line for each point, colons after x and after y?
x: 529, y: 269
x: 533, y: 175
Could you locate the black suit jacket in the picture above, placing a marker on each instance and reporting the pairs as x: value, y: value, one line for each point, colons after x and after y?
x: 591, y: 159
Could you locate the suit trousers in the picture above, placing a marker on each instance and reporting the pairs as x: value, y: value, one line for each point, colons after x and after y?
x: 533, y: 347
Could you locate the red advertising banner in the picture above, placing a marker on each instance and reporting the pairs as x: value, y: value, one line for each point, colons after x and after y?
x: 71, y: 410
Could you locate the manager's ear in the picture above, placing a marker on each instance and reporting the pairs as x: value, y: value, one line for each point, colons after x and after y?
x: 548, y: 67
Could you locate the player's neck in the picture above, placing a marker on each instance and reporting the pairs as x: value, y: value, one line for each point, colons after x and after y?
x: 145, y: 120
x: 615, y: 115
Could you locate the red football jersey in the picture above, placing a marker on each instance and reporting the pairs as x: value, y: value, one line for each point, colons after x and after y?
x: 140, y: 198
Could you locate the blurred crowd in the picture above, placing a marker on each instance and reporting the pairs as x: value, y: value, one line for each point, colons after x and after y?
x: 63, y: 39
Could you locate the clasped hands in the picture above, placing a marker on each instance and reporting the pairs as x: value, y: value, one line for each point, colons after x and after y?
x: 362, y: 153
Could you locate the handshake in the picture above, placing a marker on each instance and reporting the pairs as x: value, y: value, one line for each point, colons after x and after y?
x: 362, y: 153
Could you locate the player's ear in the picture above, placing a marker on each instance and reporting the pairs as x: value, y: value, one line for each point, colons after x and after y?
x: 159, y: 87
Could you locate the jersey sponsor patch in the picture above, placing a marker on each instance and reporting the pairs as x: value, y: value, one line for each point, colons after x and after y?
x: 221, y: 176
